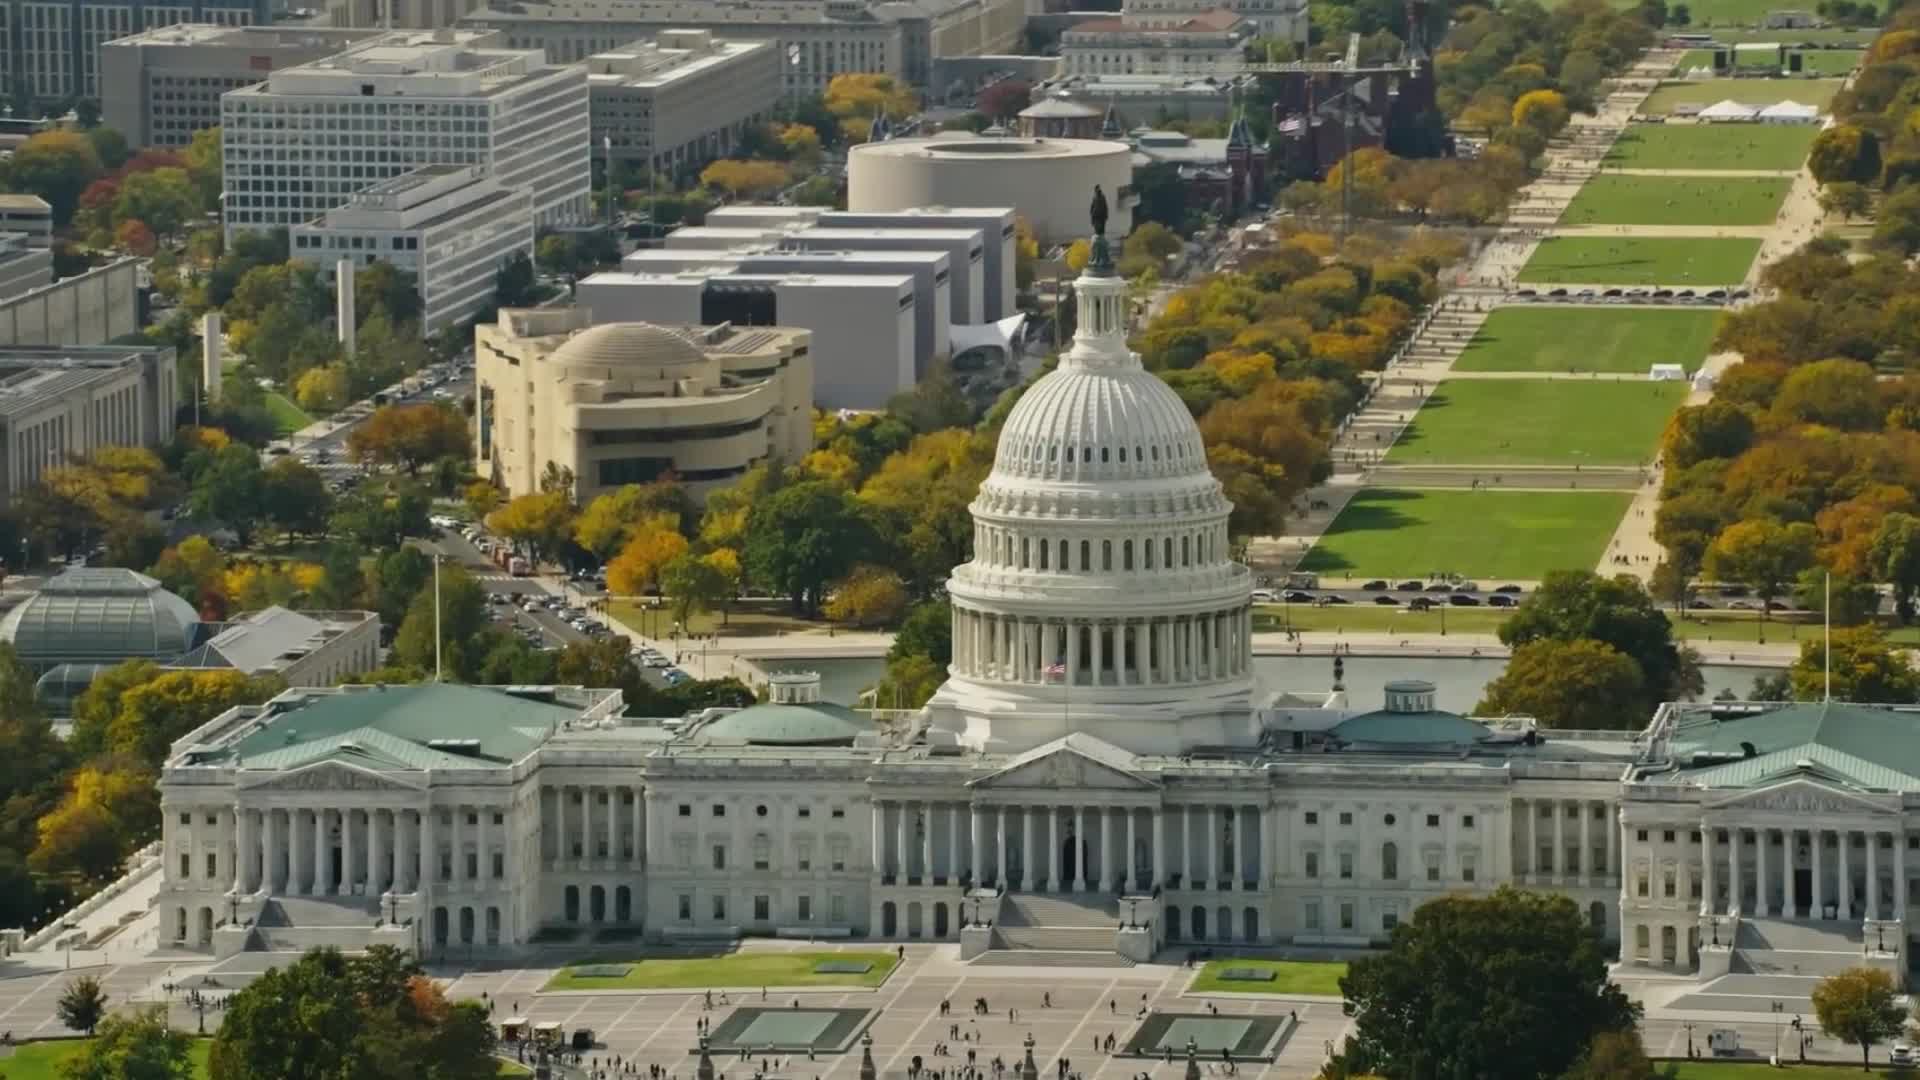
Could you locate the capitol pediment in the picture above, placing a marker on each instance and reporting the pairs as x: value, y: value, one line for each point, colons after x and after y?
x: 330, y: 776
x: 1802, y: 797
x: 1077, y: 762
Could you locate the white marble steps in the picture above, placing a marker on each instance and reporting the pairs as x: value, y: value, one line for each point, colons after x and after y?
x: 1061, y: 910
x: 1054, y: 938
x: 1052, y: 958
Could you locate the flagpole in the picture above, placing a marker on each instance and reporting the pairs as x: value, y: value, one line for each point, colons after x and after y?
x: 1826, y: 643
x: 436, y: 617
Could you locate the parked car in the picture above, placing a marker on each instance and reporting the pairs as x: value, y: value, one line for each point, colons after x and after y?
x: 1422, y: 603
x: 1410, y: 586
x: 1461, y: 599
x: 1386, y: 601
x: 1508, y: 589
x: 1295, y: 596
x: 1500, y: 600
x: 1264, y: 596
x: 1375, y: 585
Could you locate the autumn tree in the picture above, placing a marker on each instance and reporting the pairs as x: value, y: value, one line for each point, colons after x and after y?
x: 695, y: 583
x: 1762, y: 554
x: 409, y: 436
x: 605, y: 524
x: 1860, y: 1005
x: 535, y: 524
x: 322, y: 388
x: 110, y: 807
x: 651, y: 545
x: 1542, y: 111
x: 745, y: 179
x: 1864, y: 668
x: 1580, y: 684
x: 870, y: 596
x: 56, y: 165
x: 862, y: 95
x: 1845, y: 153
x: 803, y: 537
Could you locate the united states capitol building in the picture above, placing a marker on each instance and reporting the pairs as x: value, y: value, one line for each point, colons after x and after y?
x: 1097, y: 779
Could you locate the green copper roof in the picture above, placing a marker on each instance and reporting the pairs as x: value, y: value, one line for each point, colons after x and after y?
x: 403, y: 727
x: 805, y: 724
x: 1385, y: 727
x: 1867, y: 747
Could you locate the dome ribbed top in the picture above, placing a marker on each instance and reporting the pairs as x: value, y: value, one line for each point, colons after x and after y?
x: 636, y: 344
x: 1082, y: 424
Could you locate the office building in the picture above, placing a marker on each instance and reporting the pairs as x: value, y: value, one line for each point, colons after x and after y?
x: 314, y: 135
x: 862, y: 326
x: 161, y: 86
x: 933, y: 306
x: 620, y: 403
x: 301, y: 648
x: 1210, y: 43
x: 682, y: 99
x: 964, y: 247
x: 50, y: 50
x: 23, y: 266
x: 995, y: 225
x: 93, y: 307
x: 62, y: 402
x: 451, y: 226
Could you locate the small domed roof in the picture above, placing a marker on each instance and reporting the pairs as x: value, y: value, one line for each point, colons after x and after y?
x: 815, y: 723
x: 101, y: 615
x: 635, y: 344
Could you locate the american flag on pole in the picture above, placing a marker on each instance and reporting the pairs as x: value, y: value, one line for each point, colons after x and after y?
x: 1056, y: 671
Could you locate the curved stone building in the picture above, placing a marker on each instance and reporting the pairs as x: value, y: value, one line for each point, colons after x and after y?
x: 1046, y: 181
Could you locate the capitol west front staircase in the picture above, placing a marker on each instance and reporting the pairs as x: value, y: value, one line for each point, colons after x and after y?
x: 1070, y: 930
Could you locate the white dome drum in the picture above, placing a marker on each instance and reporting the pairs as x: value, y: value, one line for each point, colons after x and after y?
x: 1101, y: 596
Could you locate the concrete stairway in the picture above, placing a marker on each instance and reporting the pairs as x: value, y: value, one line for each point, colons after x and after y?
x: 299, y: 923
x: 1063, y: 910
x: 1053, y: 958
x: 1782, y: 947
x: 1072, y: 938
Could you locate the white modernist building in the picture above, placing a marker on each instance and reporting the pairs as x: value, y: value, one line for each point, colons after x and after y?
x: 314, y: 135
x: 682, y: 99
x: 1098, y: 773
x: 450, y: 226
x: 1043, y: 180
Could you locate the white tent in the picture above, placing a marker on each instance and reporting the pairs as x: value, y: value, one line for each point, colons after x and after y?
x: 1667, y: 373
x: 1789, y: 112
x: 1703, y: 380
x: 1729, y: 110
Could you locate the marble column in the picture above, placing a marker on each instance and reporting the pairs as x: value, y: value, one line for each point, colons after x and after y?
x: 1762, y: 895
x: 1000, y: 847
x: 586, y: 830
x: 376, y: 854
x: 320, y: 853
x: 483, y: 840
x: 241, y: 823
x: 1611, y: 831
x: 1736, y: 873
x: 974, y: 852
x: 613, y: 826
x: 926, y: 841
x: 1815, y: 840
x: 1585, y: 868
x: 429, y: 847
x: 1559, y: 840
x: 1210, y: 841
x: 347, y: 869
x: 1900, y: 874
x: 638, y: 823
x: 1709, y: 899
x: 1873, y: 875
x: 1052, y: 855
x: 878, y: 815
x: 1159, y: 843
x: 903, y: 849
x: 1127, y: 853
x: 1082, y: 848
x: 1845, y: 907
x: 1099, y: 649
x: 1110, y: 865
x: 1029, y: 833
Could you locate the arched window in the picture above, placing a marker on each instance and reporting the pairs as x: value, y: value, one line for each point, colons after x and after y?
x: 1146, y: 554
x: 1389, y: 862
x: 1126, y: 555
x: 1186, y: 551
x: 1065, y: 562
x: 1024, y: 553
x: 1043, y: 554
x: 1167, y: 560
x: 1086, y: 555
x: 1106, y: 554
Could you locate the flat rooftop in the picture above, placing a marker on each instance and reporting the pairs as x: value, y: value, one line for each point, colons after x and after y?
x: 251, y: 37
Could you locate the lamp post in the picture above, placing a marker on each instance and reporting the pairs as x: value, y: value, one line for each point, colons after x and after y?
x: 1778, y: 1009
x: 1689, y: 1026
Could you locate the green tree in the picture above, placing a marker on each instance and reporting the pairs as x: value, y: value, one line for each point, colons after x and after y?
x: 82, y: 1005
x: 294, y: 497
x: 1861, y: 1006
x: 926, y: 631
x: 1895, y: 557
x: 134, y: 1046
x: 99, y: 703
x: 231, y: 490
x: 691, y: 584
x: 1613, y: 1055
x: 1853, y: 601
x: 1845, y: 153
x: 1846, y: 198
x: 1840, y: 394
x: 1763, y: 554
x: 462, y: 616
x: 804, y: 536
x: 1580, y: 685
x: 109, y: 146
x: 1511, y: 985
x: 1576, y: 605
x: 1865, y: 668
x: 162, y: 198
x: 155, y: 713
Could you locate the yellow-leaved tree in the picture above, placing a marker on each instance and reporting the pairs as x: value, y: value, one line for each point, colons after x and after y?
x: 651, y: 545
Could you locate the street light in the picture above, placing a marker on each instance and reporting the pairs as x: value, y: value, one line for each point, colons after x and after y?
x: 1777, y: 1010
x: 1689, y: 1026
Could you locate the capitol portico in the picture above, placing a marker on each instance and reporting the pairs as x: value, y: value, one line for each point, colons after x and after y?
x: 1099, y: 776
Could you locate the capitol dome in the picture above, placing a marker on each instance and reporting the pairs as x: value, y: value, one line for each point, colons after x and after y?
x: 627, y: 345
x: 1101, y: 596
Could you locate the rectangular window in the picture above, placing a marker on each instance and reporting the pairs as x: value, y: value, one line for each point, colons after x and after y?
x: 1313, y: 817
x: 719, y: 809
x: 719, y: 856
x: 1433, y: 821
x: 686, y: 809
x: 837, y: 908
x: 806, y: 812
x: 720, y: 907
x: 1310, y: 915
x: 1666, y: 837
x: 1346, y: 915
x: 186, y: 818
x: 186, y: 866
x: 1346, y: 865
x: 686, y: 906
x: 1546, y: 861
x: 499, y: 864
x: 1666, y: 885
x: 1466, y: 821
x: 1641, y: 886
x: 1313, y: 864
x: 1466, y: 869
x: 1433, y: 871
x: 1640, y: 835
x: 803, y: 908
x: 1389, y: 920
x: 837, y: 812
x: 761, y: 907
x: 213, y: 865
x: 1346, y: 818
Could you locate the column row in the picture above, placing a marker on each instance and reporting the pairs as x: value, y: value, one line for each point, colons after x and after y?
x: 1565, y: 838
x: 1814, y: 873
x: 1103, y: 652
x: 594, y: 822
x: 366, y: 852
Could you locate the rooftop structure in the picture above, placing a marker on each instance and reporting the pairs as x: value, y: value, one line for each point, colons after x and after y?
x: 57, y: 401
x: 158, y: 87
x: 303, y: 648
x: 314, y: 135
x: 98, y: 615
x: 54, y: 53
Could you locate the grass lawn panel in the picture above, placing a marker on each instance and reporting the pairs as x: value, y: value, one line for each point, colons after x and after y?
x: 1611, y: 199
x: 750, y: 970
x: 1399, y: 533
x: 1289, y: 977
x: 41, y: 1060
x: 287, y: 417
x: 1860, y: 38
x: 745, y: 618
x: 1604, y: 339
x: 1712, y: 146
x: 1818, y: 92
x: 1494, y: 422
x: 1640, y: 260
x: 1760, y: 1070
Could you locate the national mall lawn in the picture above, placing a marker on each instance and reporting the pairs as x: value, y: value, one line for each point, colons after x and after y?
x: 1585, y: 337
x: 1402, y: 533
x: 1718, y: 261
x: 733, y: 971
x: 1488, y: 423
x: 1613, y: 199
x: 1816, y: 92
x: 1712, y: 146
x: 1289, y: 977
